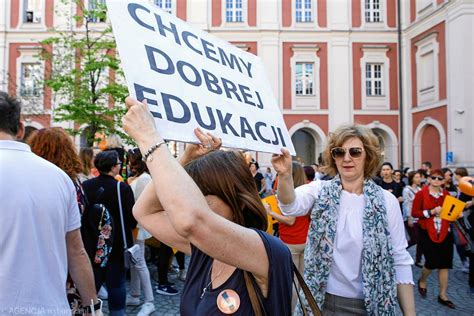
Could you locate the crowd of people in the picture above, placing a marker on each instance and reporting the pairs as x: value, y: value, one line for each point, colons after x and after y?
x: 345, y: 222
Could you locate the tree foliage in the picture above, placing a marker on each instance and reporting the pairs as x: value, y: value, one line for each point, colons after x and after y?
x: 86, y: 78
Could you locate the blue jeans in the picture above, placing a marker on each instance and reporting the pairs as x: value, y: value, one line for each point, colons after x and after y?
x: 114, y: 277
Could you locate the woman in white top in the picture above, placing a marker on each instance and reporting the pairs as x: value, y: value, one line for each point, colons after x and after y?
x: 355, y: 258
x: 139, y: 273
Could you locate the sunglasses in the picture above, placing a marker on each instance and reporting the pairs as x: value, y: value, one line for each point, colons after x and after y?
x: 437, y: 178
x: 340, y: 152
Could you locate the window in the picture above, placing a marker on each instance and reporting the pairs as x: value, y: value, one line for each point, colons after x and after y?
x: 32, y: 12
x: 96, y: 16
x: 30, y: 80
x: 427, y: 72
x: 304, y: 79
x: 303, y: 11
x: 372, y: 11
x: 373, y: 79
x: 233, y: 11
x: 165, y: 5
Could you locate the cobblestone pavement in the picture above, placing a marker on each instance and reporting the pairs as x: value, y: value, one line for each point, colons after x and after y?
x: 458, y: 292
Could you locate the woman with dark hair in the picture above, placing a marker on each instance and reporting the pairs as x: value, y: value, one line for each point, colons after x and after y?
x: 212, y: 211
x: 258, y: 178
x: 411, y: 223
x: 139, y: 273
x: 103, y: 190
x: 355, y: 258
x: 435, y: 235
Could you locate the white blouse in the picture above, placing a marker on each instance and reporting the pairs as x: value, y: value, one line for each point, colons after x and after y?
x: 345, y: 277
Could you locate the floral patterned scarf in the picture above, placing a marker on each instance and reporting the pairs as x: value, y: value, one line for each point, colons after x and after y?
x: 378, y: 271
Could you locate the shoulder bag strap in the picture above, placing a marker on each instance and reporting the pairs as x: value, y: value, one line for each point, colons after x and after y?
x: 307, y: 294
x: 125, y: 247
x: 255, y: 300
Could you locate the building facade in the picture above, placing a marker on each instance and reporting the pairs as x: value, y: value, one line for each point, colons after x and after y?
x: 403, y: 67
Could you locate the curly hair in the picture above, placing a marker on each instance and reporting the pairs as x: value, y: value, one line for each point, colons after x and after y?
x: 55, y: 145
x: 369, y: 140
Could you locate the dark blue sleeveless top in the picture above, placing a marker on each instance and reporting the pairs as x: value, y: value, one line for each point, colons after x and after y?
x: 280, y: 278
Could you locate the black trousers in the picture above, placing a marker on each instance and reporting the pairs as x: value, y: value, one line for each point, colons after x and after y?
x: 165, y: 253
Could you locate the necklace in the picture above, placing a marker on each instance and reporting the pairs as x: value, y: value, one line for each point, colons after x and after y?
x: 206, y: 288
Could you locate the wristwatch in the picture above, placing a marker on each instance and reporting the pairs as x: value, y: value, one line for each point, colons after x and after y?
x: 89, y: 308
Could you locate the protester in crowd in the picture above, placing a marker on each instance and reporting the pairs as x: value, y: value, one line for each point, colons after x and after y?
x: 426, y: 166
x: 114, y: 142
x: 40, y: 214
x: 465, y: 221
x: 165, y: 254
x: 411, y: 223
x: 448, y: 182
x: 424, y: 176
x: 258, y: 178
x: 388, y: 183
x: 397, y: 177
x: 405, y: 176
x: 139, y: 274
x: 309, y: 172
x: 103, y: 189
x: 435, y: 236
x: 294, y: 230
x: 211, y: 211
x: 56, y: 146
x: 86, y: 155
x: 268, y: 182
x: 370, y: 243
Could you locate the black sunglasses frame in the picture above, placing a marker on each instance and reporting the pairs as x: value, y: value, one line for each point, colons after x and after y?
x: 439, y: 178
x: 354, y: 152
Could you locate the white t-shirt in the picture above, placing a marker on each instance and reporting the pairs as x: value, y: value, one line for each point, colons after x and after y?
x: 38, y: 207
x: 137, y: 187
x: 345, y: 277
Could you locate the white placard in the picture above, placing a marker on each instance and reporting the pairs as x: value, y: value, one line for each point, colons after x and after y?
x: 193, y: 79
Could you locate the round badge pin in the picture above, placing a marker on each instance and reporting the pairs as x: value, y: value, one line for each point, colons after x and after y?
x: 228, y: 301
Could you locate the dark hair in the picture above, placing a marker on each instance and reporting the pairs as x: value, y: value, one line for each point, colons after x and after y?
x: 411, y: 175
x: 309, y: 171
x: 10, y: 109
x: 422, y: 173
x: 386, y: 163
x: 397, y: 170
x: 56, y: 146
x: 428, y: 164
x: 106, y: 160
x: 226, y: 175
x: 446, y: 170
x: 254, y: 163
x: 461, y: 171
x: 136, y: 163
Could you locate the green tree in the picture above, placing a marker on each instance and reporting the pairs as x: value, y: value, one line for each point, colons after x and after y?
x: 82, y: 59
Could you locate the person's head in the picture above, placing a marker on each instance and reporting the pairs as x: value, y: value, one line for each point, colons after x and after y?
x: 436, y: 178
x: 225, y: 180
x: 426, y: 166
x: 114, y: 141
x: 386, y: 171
x: 414, y: 178
x: 56, y: 146
x: 137, y: 165
x: 299, y: 175
x: 460, y: 172
x: 10, y: 110
x: 352, y: 152
x: 397, y: 175
x: 448, y: 175
x: 108, y: 162
x: 309, y: 172
x: 254, y: 166
x: 86, y: 155
x: 269, y: 170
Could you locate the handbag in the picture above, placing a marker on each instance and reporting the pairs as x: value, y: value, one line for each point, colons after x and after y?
x: 130, y: 255
x: 256, y: 300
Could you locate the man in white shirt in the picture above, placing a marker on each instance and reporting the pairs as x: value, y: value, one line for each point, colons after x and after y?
x: 40, y: 239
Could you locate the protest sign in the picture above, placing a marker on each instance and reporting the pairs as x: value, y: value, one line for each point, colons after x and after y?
x: 193, y: 79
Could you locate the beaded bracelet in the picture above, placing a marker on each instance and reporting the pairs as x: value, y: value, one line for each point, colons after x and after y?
x: 147, y: 156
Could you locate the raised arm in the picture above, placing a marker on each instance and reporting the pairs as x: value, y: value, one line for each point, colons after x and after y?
x: 282, y: 165
x: 186, y: 207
